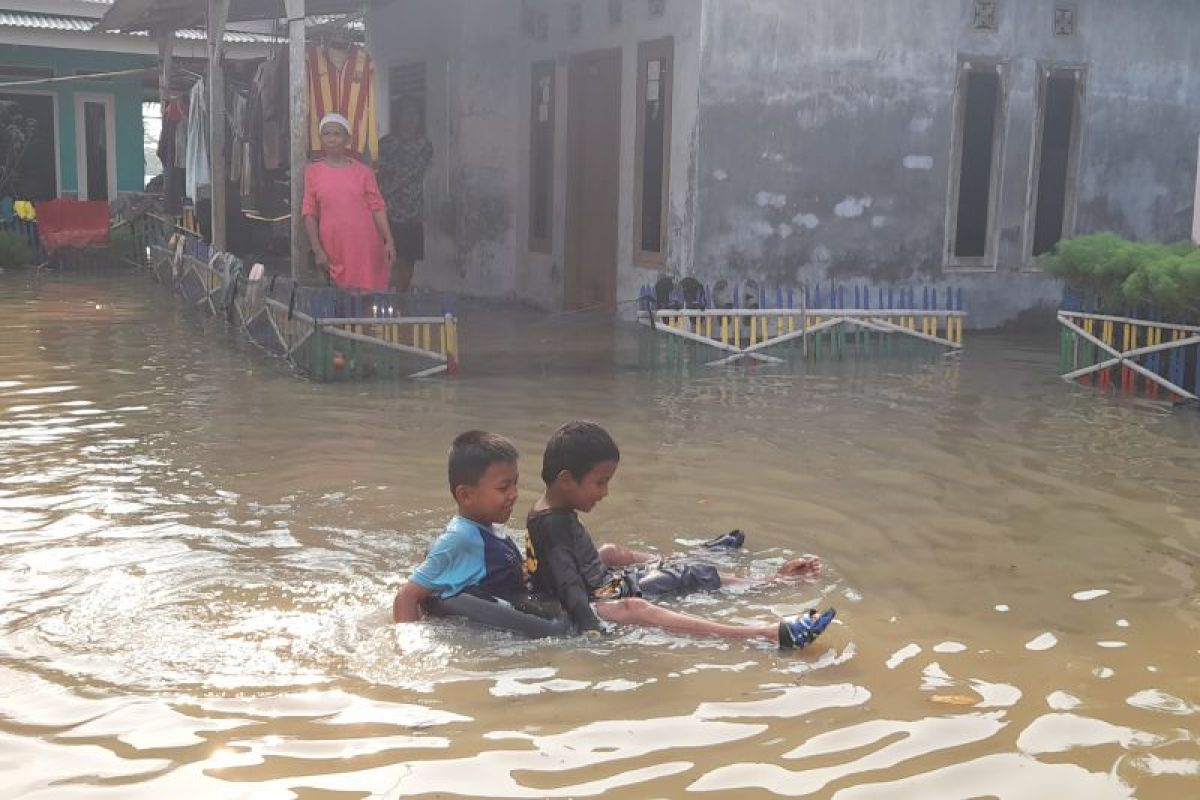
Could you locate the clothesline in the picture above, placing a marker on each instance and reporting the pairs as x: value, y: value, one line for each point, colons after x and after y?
x: 92, y: 76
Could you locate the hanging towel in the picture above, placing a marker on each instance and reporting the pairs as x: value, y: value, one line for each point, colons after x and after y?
x: 199, y: 167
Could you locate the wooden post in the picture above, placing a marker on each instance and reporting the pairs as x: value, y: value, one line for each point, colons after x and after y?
x: 218, y: 13
x: 298, y: 105
x: 166, y: 42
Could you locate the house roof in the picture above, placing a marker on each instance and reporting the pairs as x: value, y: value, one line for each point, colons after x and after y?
x: 131, y: 15
x: 81, y: 25
x: 72, y: 24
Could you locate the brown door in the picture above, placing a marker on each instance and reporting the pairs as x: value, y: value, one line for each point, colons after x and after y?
x: 593, y: 155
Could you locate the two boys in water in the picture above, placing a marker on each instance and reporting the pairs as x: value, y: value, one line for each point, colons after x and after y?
x: 564, y: 584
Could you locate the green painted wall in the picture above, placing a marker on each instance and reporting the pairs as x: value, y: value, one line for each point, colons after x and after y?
x: 127, y: 102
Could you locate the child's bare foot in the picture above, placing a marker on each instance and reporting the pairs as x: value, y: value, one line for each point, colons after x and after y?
x: 807, y: 567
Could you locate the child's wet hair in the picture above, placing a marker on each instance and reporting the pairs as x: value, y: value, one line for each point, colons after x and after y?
x: 577, y: 447
x: 473, y: 452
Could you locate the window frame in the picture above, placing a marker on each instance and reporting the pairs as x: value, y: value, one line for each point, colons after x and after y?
x: 663, y: 48
x: 988, y: 261
x: 109, y: 101
x: 546, y: 68
x: 55, y: 113
x: 1046, y: 71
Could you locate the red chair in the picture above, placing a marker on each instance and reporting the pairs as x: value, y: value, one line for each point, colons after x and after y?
x: 72, y: 223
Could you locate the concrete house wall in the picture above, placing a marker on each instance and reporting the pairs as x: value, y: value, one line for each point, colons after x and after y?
x: 479, y: 66
x: 827, y: 136
x: 811, y: 140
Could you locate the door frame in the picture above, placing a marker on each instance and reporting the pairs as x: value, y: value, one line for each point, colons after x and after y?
x: 57, y: 139
x: 110, y: 126
x: 571, y: 266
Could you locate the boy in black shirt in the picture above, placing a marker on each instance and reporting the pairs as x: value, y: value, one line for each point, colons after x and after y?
x: 563, y: 563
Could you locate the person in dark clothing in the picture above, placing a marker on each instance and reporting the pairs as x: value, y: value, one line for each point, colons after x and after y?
x: 611, y: 572
x: 564, y: 564
x: 405, y: 156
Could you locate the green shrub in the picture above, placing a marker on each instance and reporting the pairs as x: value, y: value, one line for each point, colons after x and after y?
x: 13, y: 250
x: 1120, y: 275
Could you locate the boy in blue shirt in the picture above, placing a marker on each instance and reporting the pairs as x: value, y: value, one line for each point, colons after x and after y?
x: 474, y: 569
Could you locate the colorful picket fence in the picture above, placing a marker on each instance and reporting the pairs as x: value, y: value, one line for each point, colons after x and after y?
x: 327, y: 333
x: 1134, y: 353
x: 833, y: 321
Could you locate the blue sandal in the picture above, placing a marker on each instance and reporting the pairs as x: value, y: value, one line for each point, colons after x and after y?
x: 726, y: 541
x: 800, y: 632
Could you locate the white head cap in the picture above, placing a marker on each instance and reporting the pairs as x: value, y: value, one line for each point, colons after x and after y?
x: 338, y: 118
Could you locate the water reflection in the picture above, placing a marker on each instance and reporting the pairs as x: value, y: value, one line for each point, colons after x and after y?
x: 197, y: 552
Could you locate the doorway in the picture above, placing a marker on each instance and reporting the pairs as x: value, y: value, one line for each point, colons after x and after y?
x: 593, y: 180
x: 95, y: 133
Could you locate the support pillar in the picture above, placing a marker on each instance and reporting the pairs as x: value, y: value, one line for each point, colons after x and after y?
x: 166, y: 42
x: 218, y: 13
x: 298, y: 106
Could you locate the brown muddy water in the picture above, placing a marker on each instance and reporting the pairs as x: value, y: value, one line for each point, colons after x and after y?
x: 198, y: 552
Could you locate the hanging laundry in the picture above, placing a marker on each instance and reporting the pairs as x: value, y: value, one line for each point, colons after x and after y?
x: 237, y: 109
x: 341, y: 81
x: 181, y: 137
x: 172, y: 176
x: 199, y: 167
x: 252, y: 159
x: 271, y: 82
x: 246, y: 170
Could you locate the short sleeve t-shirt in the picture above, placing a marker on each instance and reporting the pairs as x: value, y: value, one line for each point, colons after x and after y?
x: 457, y: 560
x: 568, y: 567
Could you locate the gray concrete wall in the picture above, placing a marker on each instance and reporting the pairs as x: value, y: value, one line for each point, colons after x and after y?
x: 479, y: 72
x: 826, y: 129
x: 468, y: 205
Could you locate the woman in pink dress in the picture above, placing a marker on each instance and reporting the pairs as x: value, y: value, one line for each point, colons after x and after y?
x: 345, y: 215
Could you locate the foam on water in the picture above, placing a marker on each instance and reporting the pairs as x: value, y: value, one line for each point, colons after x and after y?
x: 1043, y: 641
x: 903, y: 654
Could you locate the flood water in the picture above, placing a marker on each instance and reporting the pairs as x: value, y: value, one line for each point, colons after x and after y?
x: 198, y: 553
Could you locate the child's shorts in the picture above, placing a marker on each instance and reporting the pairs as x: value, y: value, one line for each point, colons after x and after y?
x: 677, y: 578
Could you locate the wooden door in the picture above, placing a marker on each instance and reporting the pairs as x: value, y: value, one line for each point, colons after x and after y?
x: 593, y: 177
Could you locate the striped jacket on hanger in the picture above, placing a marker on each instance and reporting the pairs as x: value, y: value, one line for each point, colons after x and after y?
x: 348, y: 91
